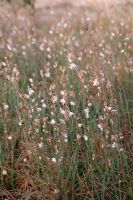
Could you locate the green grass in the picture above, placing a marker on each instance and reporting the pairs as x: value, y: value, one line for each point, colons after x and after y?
x: 67, y: 130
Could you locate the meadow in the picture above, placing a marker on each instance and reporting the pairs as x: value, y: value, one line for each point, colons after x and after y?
x: 66, y: 103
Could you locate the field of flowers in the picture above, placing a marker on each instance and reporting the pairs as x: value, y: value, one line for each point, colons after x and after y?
x: 66, y: 104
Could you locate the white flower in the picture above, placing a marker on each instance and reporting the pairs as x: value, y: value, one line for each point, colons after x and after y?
x: 20, y: 123
x: 71, y: 114
x: 30, y: 80
x: 5, y: 106
x: 40, y: 158
x: 65, y: 137
x: 30, y: 91
x: 72, y: 103
x: 87, y: 115
x: 39, y: 109
x: 54, y: 160
x: 62, y: 111
x: 52, y: 121
x: 25, y: 160
x: 95, y: 82
x: 80, y: 125
x: 114, y: 145
x: 85, y: 137
x: 10, y: 137
x: 56, y: 191
x: 40, y: 145
x: 100, y: 126
x: 63, y: 101
x: 47, y: 74
x: 4, y: 172
x: 72, y: 66
x: 3, y: 64
x: 44, y: 105
x: 122, y: 51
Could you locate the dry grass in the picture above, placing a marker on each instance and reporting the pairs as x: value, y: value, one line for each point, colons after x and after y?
x: 66, y: 104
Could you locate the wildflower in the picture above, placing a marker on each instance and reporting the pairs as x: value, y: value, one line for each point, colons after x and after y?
x: 100, y: 126
x: 71, y: 114
x: 54, y: 160
x: 62, y: 111
x: 52, y: 121
x: 85, y: 137
x: 10, y: 137
x: 4, y: 172
x: 30, y: 91
x: 63, y: 101
x: 3, y: 64
x: 114, y: 145
x: 78, y: 137
x: 54, y: 99
x: 47, y: 74
x: 86, y: 111
x: 20, y: 123
x: 65, y: 137
x: 44, y: 105
x: 72, y: 66
x: 40, y: 145
x: 80, y: 125
x: 72, y: 103
x: 56, y: 191
x: 95, y: 82
x: 63, y: 93
x: 40, y: 158
x: 30, y: 80
x: 122, y: 51
x: 25, y: 160
x: 5, y: 106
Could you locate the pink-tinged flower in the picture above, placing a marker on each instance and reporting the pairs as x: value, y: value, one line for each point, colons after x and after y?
x: 72, y: 66
x: 63, y: 101
x: 95, y: 82
x: 100, y: 126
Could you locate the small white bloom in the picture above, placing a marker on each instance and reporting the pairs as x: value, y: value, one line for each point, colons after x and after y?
x: 62, y: 111
x: 85, y: 137
x: 72, y: 66
x: 71, y: 114
x: 20, y: 123
x: 100, y: 126
x: 87, y: 113
x: 56, y: 191
x: 25, y: 160
x: 54, y: 160
x: 30, y: 91
x: 80, y: 125
x: 122, y: 51
x: 63, y: 101
x: 72, y: 103
x: 40, y: 145
x: 95, y: 82
x: 4, y: 172
x: 5, y: 106
x: 52, y: 121
x: 44, y: 105
x: 40, y: 158
x: 47, y: 74
x: 3, y: 64
x: 114, y: 145
x: 30, y: 80
x: 10, y: 137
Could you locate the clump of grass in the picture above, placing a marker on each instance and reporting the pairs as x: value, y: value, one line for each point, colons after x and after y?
x: 66, y: 108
